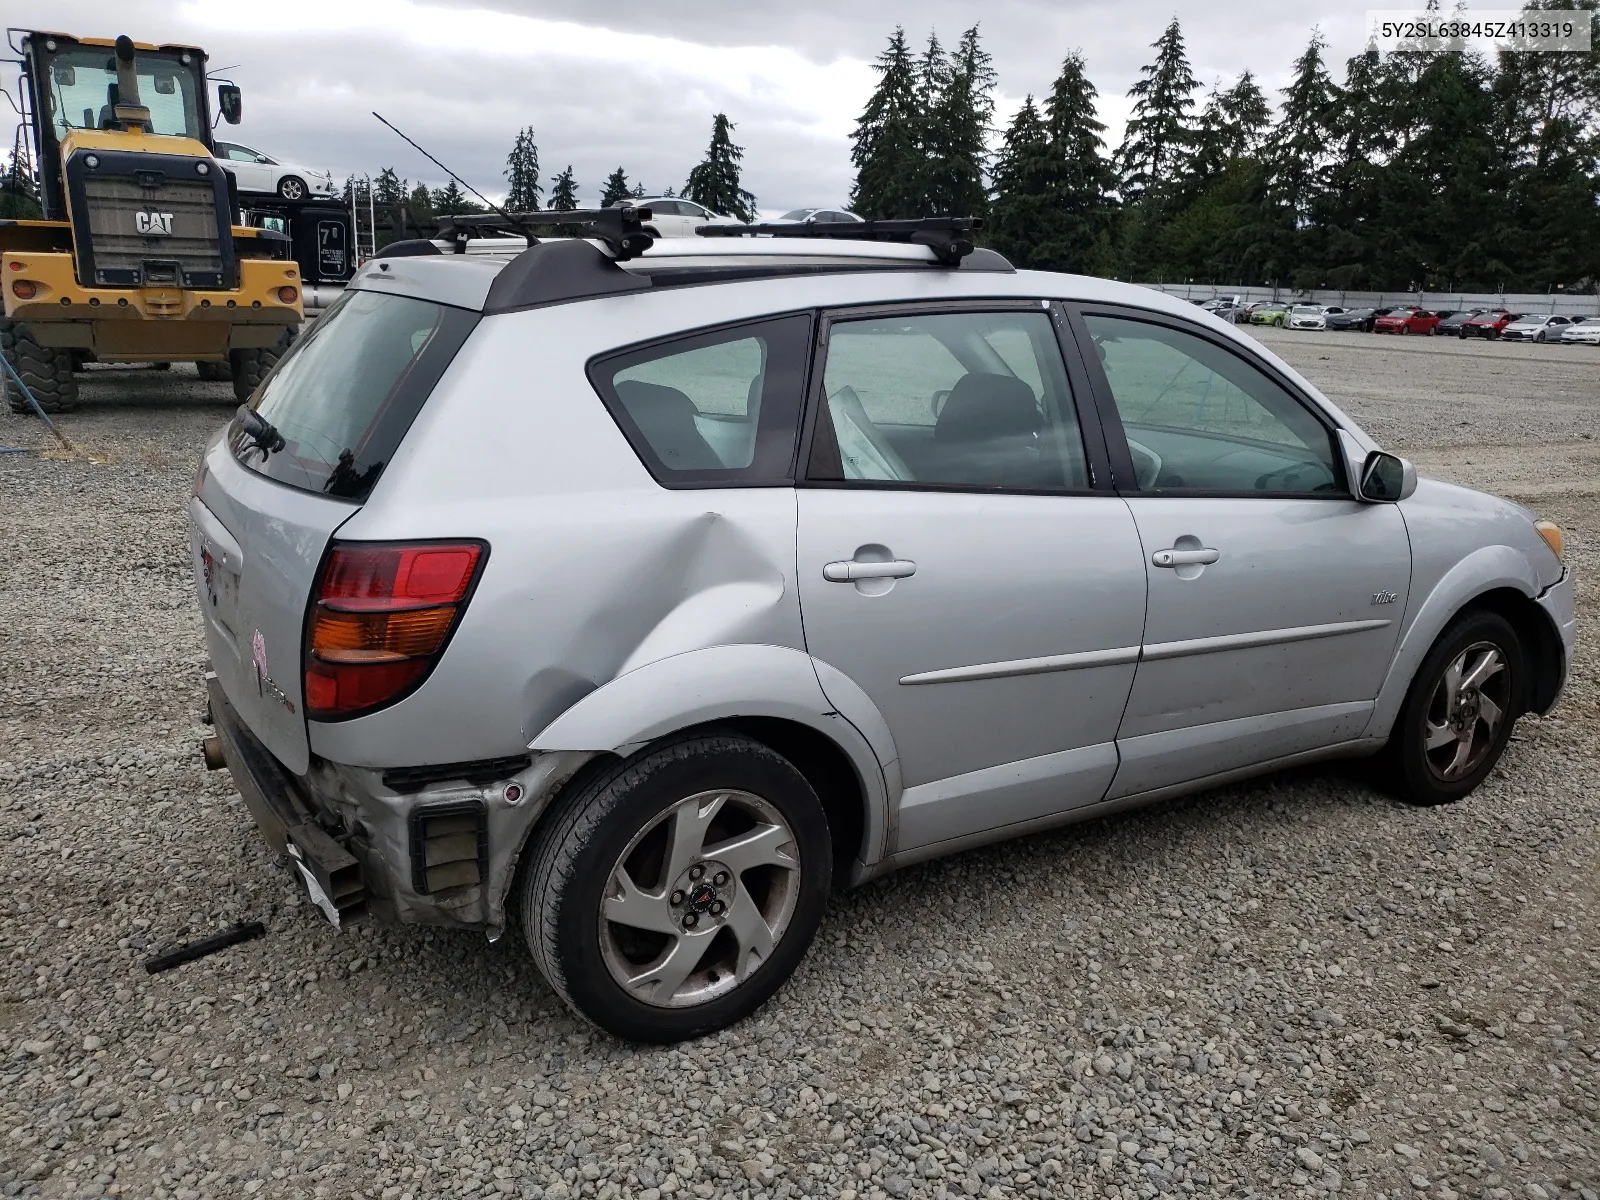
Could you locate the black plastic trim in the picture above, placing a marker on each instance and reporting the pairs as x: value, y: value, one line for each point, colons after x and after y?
x: 416, y: 827
x: 407, y: 780
x: 555, y: 272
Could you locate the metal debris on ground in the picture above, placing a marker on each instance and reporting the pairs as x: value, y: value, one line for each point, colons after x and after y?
x: 245, y: 931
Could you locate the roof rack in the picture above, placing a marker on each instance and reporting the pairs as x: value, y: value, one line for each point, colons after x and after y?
x: 950, y: 238
x: 621, y: 228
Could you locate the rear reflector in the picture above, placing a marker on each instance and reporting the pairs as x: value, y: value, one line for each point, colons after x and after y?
x: 380, y: 618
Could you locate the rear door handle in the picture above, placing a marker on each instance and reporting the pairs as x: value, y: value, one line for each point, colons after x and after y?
x: 1185, y: 558
x: 850, y: 571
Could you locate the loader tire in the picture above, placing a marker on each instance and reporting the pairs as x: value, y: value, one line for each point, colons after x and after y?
x: 47, y: 372
x: 214, y: 372
x: 250, y: 367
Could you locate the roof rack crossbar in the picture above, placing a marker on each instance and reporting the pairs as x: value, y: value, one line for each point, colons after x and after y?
x: 620, y: 228
x: 950, y: 238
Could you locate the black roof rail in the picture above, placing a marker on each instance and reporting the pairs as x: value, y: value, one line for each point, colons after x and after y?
x: 950, y: 238
x: 621, y: 227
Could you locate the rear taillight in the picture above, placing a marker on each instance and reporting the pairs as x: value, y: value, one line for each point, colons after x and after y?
x: 380, y: 618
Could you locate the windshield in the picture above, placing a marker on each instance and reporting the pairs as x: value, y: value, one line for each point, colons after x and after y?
x: 83, y: 84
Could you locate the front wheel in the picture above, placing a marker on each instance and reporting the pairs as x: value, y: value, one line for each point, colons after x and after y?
x: 292, y: 187
x: 46, y: 370
x: 674, y: 893
x: 1405, y: 330
x: 1458, y: 713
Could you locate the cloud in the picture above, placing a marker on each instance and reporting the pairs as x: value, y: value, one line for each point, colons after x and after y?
x: 636, y: 84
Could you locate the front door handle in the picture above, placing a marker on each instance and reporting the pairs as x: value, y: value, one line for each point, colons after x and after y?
x: 1185, y: 558
x: 850, y: 571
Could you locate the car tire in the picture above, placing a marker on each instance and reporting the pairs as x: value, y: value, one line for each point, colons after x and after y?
x: 1462, y: 335
x: 610, y: 842
x: 1405, y: 331
x: 1433, y: 711
x: 292, y: 187
x: 45, y: 370
x: 249, y: 367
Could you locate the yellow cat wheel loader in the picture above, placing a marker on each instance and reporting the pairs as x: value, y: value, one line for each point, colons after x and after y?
x: 137, y: 257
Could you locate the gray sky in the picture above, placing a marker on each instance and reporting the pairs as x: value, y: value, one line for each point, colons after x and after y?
x: 636, y: 84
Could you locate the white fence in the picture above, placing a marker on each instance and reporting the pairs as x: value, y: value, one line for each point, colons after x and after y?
x: 1563, y: 304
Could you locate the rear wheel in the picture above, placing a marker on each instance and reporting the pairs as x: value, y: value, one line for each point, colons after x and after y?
x: 674, y: 893
x: 249, y: 367
x: 1459, y: 711
x: 46, y: 371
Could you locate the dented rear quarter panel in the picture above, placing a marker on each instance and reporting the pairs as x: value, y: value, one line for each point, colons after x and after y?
x: 594, y: 569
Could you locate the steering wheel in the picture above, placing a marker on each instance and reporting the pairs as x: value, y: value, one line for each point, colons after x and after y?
x: 1296, y: 477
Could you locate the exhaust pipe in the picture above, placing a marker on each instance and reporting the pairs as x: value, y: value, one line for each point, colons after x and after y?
x: 211, y: 751
x: 129, y: 110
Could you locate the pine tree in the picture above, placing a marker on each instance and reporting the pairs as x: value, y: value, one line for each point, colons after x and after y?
x: 388, y: 188
x: 1298, y: 149
x: 714, y: 182
x: 419, y: 205
x: 1084, y: 177
x: 1158, y: 137
x: 451, y: 201
x: 1024, y: 181
x: 522, y: 173
x: 617, y: 189
x: 564, y: 192
x: 886, y: 147
x: 955, y: 141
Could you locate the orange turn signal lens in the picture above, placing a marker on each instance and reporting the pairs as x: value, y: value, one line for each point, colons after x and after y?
x: 287, y: 294
x: 370, y: 637
x: 1551, y: 533
x: 24, y: 289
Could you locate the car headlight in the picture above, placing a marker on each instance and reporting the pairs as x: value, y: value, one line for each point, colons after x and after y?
x: 1551, y: 533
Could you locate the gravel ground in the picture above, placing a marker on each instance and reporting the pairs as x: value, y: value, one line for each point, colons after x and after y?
x: 1292, y: 987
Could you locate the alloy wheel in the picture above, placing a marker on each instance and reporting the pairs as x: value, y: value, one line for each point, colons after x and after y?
x: 1466, y: 710
x: 699, y: 899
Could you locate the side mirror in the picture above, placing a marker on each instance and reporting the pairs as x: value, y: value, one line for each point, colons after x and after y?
x: 1386, y: 478
x: 230, y: 102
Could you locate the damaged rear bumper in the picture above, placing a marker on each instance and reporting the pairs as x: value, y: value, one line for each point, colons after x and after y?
x: 405, y: 846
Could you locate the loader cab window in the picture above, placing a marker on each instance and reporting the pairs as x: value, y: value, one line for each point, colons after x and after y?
x: 83, y: 91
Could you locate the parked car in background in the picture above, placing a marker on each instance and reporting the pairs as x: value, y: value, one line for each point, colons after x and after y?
x: 1488, y: 324
x: 254, y: 171
x: 764, y: 655
x: 817, y: 216
x: 672, y: 216
x: 1535, y: 327
x: 1450, y: 323
x: 1352, y: 318
x: 1405, y: 321
x: 1272, y: 313
x: 1217, y: 303
x: 1232, y: 313
x: 1585, y: 331
x: 1312, y: 316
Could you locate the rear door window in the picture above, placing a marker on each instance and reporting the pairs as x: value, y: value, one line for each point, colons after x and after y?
x: 345, y: 394
x: 717, y: 409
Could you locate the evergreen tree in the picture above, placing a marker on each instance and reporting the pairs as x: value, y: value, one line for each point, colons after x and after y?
x: 1085, y: 179
x: 617, y: 189
x: 886, y: 147
x: 714, y: 182
x: 1158, y: 137
x: 388, y: 188
x: 1024, y: 186
x: 1298, y: 150
x: 522, y: 174
x: 419, y: 205
x: 451, y: 201
x: 956, y: 128
x: 564, y: 191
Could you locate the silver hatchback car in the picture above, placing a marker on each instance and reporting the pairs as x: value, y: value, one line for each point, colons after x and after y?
x: 630, y: 604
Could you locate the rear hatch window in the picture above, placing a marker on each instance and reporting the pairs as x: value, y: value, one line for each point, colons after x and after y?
x: 345, y: 394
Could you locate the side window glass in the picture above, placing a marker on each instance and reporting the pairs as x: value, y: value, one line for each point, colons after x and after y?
x: 718, y: 408
x: 1197, y: 416
x: 976, y: 400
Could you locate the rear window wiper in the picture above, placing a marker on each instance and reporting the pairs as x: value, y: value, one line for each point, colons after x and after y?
x: 259, y: 430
